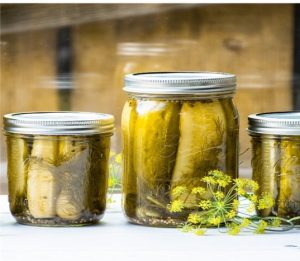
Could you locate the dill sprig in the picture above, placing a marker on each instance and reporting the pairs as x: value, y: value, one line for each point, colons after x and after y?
x: 222, y: 209
x: 115, y: 167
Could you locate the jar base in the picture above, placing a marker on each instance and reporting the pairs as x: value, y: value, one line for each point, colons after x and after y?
x: 156, y: 222
x: 57, y: 221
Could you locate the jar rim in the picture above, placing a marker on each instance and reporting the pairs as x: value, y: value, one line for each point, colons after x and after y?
x: 58, y: 123
x: 275, y: 123
x: 180, y: 83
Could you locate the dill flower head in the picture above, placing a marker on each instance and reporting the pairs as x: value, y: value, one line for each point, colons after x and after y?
x: 176, y: 206
x: 205, y: 204
x: 266, y: 201
x: 179, y: 190
x: 198, y: 190
x: 199, y: 231
x: 215, y: 221
x: 194, y: 218
x: 261, y: 227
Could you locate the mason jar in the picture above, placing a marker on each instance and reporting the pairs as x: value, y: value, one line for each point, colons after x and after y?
x: 57, y: 166
x: 177, y: 126
x: 275, y: 138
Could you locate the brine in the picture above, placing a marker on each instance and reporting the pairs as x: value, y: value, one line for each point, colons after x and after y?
x: 170, y: 143
x: 57, y: 180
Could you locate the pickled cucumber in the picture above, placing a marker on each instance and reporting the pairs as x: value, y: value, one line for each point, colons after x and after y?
x: 74, y: 168
x: 42, y: 185
x: 289, y: 195
x: 232, y: 132
x: 99, y: 155
x: 129, y: 178
x: 201, y: 145
x: 17, y: 153
x: 154, y: 150
x: 266, y: 168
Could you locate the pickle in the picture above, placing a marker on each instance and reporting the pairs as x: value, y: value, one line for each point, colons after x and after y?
x: 17, y: 154
x: 232, y: 132
x: 265, y: 165
x: 98, y: 177
x: 129, y: 178
x: 289, y: 188
x: 154, y: 153
x: 42, y: 185
x: 201, y: 145
x: 74, y: 167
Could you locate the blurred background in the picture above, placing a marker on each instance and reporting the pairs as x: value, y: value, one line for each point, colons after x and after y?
x: 74, y: 56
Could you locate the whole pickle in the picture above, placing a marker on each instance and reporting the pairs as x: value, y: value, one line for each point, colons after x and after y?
x: 73, y: 156
x: 99, y: 156
x: 232, y: 132
x: 42, y: 185
x: 17, y: 153
x: 156, y: 140
x: 289, y: 187
x: 129, y: 178
x: 201, y: 145
x: 265, y: 165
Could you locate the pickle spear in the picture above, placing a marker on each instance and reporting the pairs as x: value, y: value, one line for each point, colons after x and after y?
x: 265, y: 165
x: 42, y: 186
x: 289, y: 186
x: 201, y: 145
x: 156, y: 142
x: 17, y: 154
x: 74, y: 168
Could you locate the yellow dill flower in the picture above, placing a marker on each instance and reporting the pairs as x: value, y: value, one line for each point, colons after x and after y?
x: 187, y: 228
x: 205, y: 204
x: 215, y: 221
x: 112, y: 181
x: 253, y: 185
x: 276, y: 222
x: 220, y: 178
x: 261, y: 227
x: 235, y: 204
x: 179, y: 190
x: 176, y: 206
x: 231, y: 214
x: 245, y: 222
x: 234, y: 230
x: 198, y: 190
x: 118, y: 158
x: 266, y: 201
x: 209, y: 180
x: 200, y: 231
x: 251, y: 208
x: 241, y: 191
x: 253, y: 198
x: 219, y: 195
x: 194, y: 218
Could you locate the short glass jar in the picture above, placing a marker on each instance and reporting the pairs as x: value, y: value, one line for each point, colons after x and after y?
x: 276, y: 160
x: 58, y: 166
x: 176, y: 127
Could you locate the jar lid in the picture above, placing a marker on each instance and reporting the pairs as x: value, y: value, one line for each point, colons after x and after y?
x: 180, y: 83
x: 275, y: 123
x: 58, y: 123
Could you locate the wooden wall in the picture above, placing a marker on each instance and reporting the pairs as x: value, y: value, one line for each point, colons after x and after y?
x: 253, y: 41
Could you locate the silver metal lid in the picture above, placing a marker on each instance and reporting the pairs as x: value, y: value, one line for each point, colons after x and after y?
x: 58, y: 123
x: 275, y: 123
x: 180, y: 83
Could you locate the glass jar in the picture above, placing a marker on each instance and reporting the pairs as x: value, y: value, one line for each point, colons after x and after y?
x: 58, y: 166
x: 276, y: 160
x: 176, y: 127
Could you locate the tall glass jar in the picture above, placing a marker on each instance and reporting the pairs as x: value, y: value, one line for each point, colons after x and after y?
x: 176, y: 127
x: 58, y: 166
x: 276, y: 160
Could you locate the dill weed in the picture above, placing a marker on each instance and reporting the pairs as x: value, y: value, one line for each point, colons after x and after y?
x: 222, y: 209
